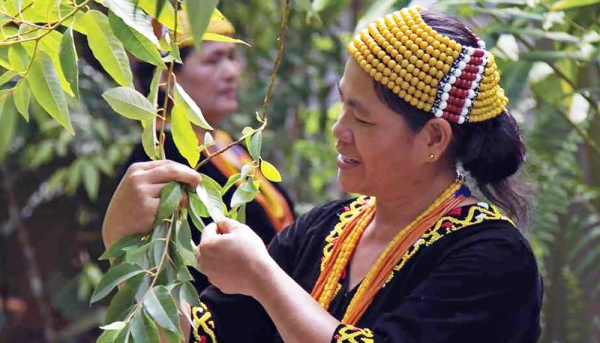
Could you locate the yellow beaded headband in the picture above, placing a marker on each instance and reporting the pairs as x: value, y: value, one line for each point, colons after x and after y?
x: 432, y: 72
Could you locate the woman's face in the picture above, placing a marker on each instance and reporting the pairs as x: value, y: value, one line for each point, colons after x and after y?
x: 211, y: 79
x: 378, y: 153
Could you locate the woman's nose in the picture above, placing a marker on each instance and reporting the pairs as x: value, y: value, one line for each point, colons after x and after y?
x: 341, y: 132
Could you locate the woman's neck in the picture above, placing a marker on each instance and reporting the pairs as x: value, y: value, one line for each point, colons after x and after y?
x: 398, y: 211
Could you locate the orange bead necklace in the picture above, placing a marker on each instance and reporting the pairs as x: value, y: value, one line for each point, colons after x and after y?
x: 325, y: 288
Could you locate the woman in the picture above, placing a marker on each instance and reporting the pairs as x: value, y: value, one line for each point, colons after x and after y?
x: 418, y: 258
x: 211, y: 79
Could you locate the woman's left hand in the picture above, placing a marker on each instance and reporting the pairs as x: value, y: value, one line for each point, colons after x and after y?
x: 233, y: 257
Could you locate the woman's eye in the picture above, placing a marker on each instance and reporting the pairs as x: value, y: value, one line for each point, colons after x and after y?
x: 362, y: 121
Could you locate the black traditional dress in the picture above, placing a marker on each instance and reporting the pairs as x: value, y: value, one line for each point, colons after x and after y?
x: 472, y: 277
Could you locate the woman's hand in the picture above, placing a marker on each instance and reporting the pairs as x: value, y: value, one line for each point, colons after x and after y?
x: 133, y: 207
x: 233, y: 257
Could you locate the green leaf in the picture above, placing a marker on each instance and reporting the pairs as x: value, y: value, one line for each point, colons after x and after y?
x: 209, y: 192
x: 568, y: 4
x: 199, y: 13
x: 91, y: 179
x: 22, y: 96
x: 51, y: 44
x: 130, y: 14
x: 189, y: 107
x: 107, y: 48
x: 170, y: 197
x: 143, y: 329
x: 114, y: 326
x: 196, y: 205
x: 241, y: 196
x: 113, y: 277
x: 117, y: 249
x: 162, y: 10
x: 122, y: 303
x: 255, y: 145
x: 160, y: 305
x: 134, y: 42
x: 184, y: 136
x: 129, y: 103
x: 7, y: 76
x: 184, y: 234
x: 269, y: 171
x: 154, y: 87
x: 47, y: 90
x: 68, y: 61
x: 230, y: 182
x: 220, y: 38
x: 189, y: 258
x: 149, y: 140
x: 108, y: 336
x: 8, y: 118
x: 18, y: 58
x: 189, y: 294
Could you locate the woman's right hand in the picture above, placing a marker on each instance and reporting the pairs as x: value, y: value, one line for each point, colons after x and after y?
x: 134, y: 204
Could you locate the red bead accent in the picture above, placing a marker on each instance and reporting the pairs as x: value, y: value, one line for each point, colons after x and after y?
x: 455, y: 92
x: 468, y: 76
x: 476, y: 61
x: 478, y: 53
x: 471, y: 69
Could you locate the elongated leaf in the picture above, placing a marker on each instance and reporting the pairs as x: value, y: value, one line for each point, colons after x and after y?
x: 129, y: 103
x: 199, y: 12
x: 215, y: 37
x: 230, y: 182
x: 162, y: 10
x: 189, y: 294
x: 47, y: 90
x: 51, y: 44
x: 114, y: 326
x: 269, y: 171
x: 160, y: 305
x: 108, y: 336
x: 18, y: 58
x: 189, y: 107
x: 184, y: 136
x: 134, y: 42
x: 149, y: 140
x: 242, y: 196
x: 68, y: 61
x: 196, y: 205
x: 567, y: 4
x: 8, y: 120
x: 189, y: 258
x: 122, y: 303
x: 255, y: 145
x: 143, y: 329
x: 116, y: 249
x: 113, y: 277
x: 91, y: 179
x: 131, y: 15
x: 154, y: 87
x: 22, y: 96
x: 209, y: 192
x: 170, y: 196
x: 184, y: 235
x: 8, y: 76
x: 107, y: 48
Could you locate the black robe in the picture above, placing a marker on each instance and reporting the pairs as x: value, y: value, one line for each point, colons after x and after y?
x: 471, y: 278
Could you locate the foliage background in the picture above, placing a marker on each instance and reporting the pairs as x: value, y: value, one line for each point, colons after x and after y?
x: 56, y: 186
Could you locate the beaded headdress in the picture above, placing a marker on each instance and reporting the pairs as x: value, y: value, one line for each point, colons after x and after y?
x: 428, y: 70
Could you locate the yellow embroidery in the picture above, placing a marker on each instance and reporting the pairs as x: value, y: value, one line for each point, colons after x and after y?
x: 351, y: 334
x: 204, y: 325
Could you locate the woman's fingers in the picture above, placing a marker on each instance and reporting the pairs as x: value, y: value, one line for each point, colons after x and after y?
x: 173, y: 172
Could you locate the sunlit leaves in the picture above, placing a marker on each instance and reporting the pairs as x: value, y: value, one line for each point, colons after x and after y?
x: 567, y: 4
x: 189, y: 107
x: 131, y: 14
x: 8, y: 118
x: 200, y: 11
x: 139, y: 45
x: 184, y: 136
x: 209, y: 192
x: 129, y: 103
x: 22, y: 96
x: 107, y: 48
x: 47, y: 90
x: 269, y: 171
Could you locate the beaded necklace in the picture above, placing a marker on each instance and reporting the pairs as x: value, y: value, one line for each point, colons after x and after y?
x: 325, y: 288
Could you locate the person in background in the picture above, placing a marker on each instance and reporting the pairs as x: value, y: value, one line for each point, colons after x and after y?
x: 417, y: 257
x: 211, y: 78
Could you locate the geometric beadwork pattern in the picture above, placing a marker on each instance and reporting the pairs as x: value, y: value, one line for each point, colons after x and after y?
x: 428, y: 70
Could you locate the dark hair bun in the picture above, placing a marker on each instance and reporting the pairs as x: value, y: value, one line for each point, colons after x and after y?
x: 492, y: 150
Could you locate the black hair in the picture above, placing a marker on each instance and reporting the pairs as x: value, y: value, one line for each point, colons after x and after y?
x: 144, y: 72
x: 491, y: 151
